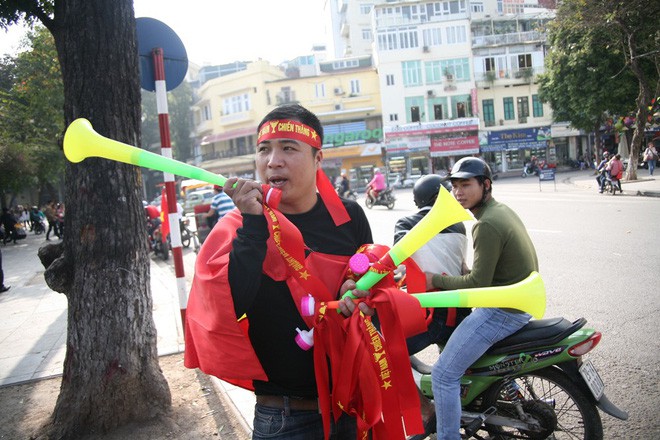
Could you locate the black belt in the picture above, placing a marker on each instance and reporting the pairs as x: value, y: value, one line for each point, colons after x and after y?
x: 287, y: 402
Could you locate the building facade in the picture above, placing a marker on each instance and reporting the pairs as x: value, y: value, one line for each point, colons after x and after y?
x: 344, y: 94
x: 409, y: 85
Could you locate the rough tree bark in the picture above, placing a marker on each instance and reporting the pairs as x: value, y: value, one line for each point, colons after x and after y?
x: 111, y: 372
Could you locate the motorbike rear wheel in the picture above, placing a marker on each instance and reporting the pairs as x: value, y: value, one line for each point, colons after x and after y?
x: 390, y: 204
x: 185, y: 237
x: 576, y: 416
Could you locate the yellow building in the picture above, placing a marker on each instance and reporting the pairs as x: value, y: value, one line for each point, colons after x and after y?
x: 344, y: 94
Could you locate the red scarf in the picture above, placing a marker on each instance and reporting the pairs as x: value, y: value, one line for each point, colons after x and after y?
x: 371, y: 373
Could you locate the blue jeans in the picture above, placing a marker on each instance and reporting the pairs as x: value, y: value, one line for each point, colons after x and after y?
x: 481, y: 329
x: 276, y: 423
x: 651, y: 166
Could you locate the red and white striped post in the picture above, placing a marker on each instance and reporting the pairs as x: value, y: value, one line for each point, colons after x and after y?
x: 170, y: 190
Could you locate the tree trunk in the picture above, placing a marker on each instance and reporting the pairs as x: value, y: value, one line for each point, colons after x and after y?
x: 111, y: 372
x: 642, y: 101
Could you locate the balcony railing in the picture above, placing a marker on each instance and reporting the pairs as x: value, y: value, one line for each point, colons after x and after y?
x: 386, y: 21
x: 512, y: 75
x: 508, y: 39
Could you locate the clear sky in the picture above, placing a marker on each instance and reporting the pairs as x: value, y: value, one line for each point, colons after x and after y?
x: 222, y: 31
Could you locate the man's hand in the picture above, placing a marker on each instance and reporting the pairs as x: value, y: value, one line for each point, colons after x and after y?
x: 246, y: 195
x: 347, y: 306
x: 429, y: 281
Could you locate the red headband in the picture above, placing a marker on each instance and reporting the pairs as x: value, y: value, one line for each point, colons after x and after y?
x: 287, y: 129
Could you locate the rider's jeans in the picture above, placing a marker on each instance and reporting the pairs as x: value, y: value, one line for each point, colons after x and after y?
x: 469, y: 342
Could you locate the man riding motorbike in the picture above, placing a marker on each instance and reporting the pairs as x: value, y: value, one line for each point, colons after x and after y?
x: 376, y: 185
x: 601, y: 171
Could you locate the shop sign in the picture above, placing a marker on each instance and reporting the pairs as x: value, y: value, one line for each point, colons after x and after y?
x: 353, y: 137
x: 454, y: 146
x: 429, y: 128
x: 419, y: 143
x: 525, y: 138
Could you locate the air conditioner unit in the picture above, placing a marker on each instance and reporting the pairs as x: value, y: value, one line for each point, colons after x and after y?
x: 339, y: 106
x: 425, y: 49
x: 339, y: 91
x: 501, y: 121
x: 430, y: 93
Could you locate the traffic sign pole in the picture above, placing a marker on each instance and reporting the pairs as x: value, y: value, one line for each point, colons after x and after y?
x: 170, y: 190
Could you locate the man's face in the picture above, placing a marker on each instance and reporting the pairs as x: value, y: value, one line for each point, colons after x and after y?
x: 289, y: 166
x: 468, y: 192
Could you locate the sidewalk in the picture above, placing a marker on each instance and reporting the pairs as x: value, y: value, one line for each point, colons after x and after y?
x: 33, y: 322
x: 645, y: 185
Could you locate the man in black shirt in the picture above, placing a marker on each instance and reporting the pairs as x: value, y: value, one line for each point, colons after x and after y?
x: 259, y: 262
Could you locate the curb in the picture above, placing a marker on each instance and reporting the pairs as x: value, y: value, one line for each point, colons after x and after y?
x: 648, y: 193
x: 225, y: 397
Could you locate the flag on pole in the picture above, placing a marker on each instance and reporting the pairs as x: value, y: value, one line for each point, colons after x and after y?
x: 164, y: 217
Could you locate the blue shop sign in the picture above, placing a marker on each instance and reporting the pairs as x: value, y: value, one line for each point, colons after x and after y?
x: 525, y: 138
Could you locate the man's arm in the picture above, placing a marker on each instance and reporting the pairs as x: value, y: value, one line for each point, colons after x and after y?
x: 246, y: 260
x: 487, y: 250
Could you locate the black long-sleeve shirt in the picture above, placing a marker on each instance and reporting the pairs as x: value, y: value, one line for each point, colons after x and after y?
x: 271, y: 311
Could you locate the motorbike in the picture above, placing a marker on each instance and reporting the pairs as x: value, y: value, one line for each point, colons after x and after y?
x: 186, y: 233
x: 38, y: 227
x: 529, y: 169
x: 612, y: 185
x: 385, y: 198
x: 534, y: 384
x: 351, y: 195
x: 156, y: 244
x: 18, y: 233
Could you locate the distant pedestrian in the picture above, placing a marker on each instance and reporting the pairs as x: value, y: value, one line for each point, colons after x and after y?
x: 51, y: 216
x: 650, y: 157
x: 3, y: 288
x: 221, y: 204
x: 8, y: 220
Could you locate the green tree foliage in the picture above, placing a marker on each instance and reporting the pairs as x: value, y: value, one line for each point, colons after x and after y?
x: 603, y: 62
x: 581, y: 82
x: 179, y: 101
x: 31, y: 105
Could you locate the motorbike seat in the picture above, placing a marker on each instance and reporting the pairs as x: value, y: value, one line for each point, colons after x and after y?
x: 537, y: 333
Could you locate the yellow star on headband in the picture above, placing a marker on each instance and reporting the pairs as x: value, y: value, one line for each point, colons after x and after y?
x: 387, y: 384
x: 304, y: 274
x: 314, y: 135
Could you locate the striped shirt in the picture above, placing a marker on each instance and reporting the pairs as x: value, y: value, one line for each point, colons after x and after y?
x: 222, y: 204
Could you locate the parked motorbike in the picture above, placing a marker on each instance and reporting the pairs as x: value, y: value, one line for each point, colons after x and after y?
x: 186, y: 233
x: 385, y: 198
x: 533, y: 384
x: 156, y: 244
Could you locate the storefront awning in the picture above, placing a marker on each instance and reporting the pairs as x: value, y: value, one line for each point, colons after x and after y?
x: 232, y: 134
x: 231, y: 166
